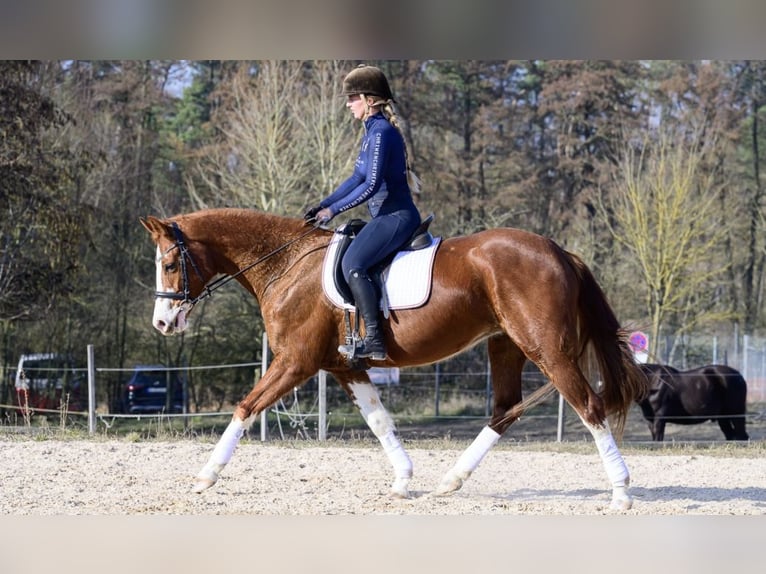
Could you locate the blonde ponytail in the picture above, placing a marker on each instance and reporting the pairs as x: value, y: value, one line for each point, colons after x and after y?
x: 389, y: 110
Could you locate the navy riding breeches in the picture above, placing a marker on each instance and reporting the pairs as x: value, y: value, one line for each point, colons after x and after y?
x: 380, y: 237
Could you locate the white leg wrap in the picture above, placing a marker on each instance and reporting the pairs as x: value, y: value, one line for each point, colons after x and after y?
x: 474, y: 454
x: 221, y: 454
x: 400, y: 460
x: 614, y: 464
x: 224, y: 450
x: 377, y: 418
x: 468, y: 461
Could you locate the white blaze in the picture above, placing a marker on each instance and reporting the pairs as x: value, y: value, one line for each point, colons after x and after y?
x: 166, y: 317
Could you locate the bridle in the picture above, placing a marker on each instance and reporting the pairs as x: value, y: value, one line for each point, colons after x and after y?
x: 207, y: 290
x: 184, y: 296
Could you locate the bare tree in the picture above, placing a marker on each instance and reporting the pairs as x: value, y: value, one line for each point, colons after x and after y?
x: 666, y: 213
x: 284, y: 139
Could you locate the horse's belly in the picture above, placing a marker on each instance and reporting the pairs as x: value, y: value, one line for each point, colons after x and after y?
x: 701, y: 407
x: 427, y: 344
x: 687, y: 420
x: 691, y: 413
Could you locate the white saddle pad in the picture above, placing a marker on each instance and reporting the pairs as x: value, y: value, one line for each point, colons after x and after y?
x: 407, y: 280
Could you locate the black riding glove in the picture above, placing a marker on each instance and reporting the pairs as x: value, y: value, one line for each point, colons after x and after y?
x: 311, y: 214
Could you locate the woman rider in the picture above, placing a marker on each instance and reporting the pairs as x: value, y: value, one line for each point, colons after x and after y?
x: 382, y: 179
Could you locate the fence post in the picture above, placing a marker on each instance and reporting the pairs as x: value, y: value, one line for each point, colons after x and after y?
x: 560, y: 428
x: 745, y: 349
x: 488, y: 405
x: 185, y: 392
x: 436, y: 389
x: 322, y: 405
x: 762, y: 372
x: 91, y: 392
x: 264, y: 366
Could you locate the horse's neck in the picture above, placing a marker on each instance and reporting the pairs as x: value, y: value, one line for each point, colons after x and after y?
x: 240, y: 239
x: 240, y: 235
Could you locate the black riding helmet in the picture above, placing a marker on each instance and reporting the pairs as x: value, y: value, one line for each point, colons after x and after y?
x: 367, y: 80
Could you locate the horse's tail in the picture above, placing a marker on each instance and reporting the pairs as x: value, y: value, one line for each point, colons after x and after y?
x: 602, y: 337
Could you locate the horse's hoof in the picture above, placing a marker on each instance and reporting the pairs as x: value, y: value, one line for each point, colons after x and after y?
x: 202, y: 484
x: 449, y: 485
x: 621, y: 504
x: 440, y: 492
x: 400, y: 488
x: 621, y: 500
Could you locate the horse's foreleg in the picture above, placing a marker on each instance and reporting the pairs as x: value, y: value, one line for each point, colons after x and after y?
x: 276, y: 382
x: 727, y: 426
x: 222, y: 453
x: 367, y: 399
x: 614, y: 464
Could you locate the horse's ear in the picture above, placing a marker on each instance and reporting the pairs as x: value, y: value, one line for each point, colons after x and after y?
x: 154, y: 225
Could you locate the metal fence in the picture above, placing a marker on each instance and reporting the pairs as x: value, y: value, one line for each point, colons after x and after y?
x: 455, y: 393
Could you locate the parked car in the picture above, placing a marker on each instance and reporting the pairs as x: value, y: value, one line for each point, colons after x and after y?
x: 146, y: 391
x: 46, y: 380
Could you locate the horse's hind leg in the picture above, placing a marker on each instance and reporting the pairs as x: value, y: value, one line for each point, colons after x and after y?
x: 738, y: 428
x: 366, y: 397
x: 733, y: 428
x: 614, y: 464
x: 570, y: 381
x: 506, y: 362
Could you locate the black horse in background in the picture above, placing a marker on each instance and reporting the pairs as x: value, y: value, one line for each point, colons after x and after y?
x: 712, y: 392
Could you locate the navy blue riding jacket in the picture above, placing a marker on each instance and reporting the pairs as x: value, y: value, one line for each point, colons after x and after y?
x: 380, y: 179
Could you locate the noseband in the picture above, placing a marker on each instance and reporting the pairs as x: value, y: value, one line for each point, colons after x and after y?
x: 185, y: 296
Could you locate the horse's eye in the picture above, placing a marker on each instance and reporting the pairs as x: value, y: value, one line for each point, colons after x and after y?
x: 170, y: 267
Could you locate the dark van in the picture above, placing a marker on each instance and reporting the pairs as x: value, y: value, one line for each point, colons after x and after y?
x: 147, y: 391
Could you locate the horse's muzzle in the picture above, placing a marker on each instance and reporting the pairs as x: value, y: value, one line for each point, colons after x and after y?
x: 170, y: 320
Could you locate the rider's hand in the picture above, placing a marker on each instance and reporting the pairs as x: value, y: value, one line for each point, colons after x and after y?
x: 323, y: 216
x: 311, y: 213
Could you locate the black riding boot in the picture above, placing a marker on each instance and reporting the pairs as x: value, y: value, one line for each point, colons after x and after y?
x: 365, y: 295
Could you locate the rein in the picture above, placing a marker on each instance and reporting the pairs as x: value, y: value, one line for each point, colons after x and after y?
x: 184, y: 297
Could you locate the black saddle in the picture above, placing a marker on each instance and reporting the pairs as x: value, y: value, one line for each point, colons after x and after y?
x: 420, y: 239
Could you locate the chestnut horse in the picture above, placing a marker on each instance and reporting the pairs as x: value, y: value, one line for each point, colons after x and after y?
x: 521, y: 292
